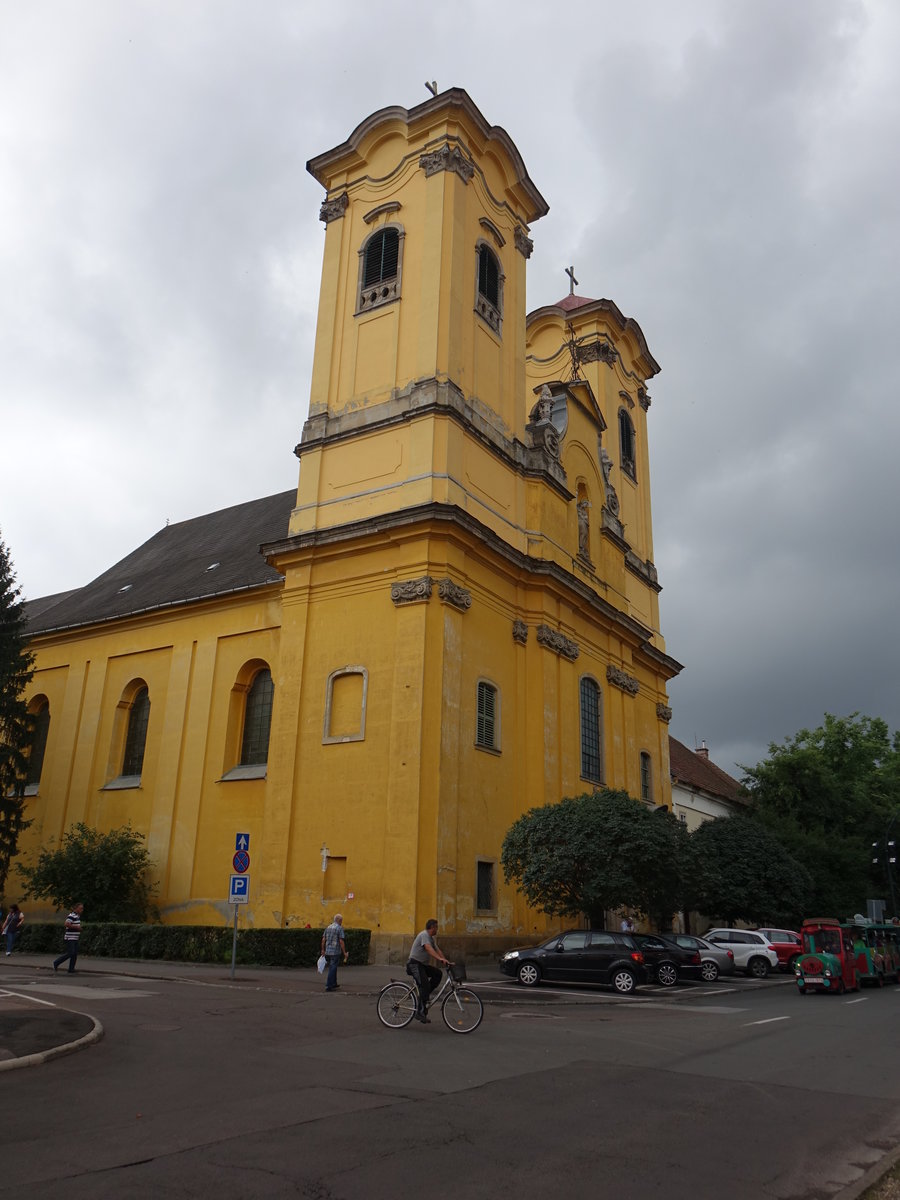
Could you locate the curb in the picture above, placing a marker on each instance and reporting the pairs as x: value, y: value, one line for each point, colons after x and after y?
x: 35, y: 1060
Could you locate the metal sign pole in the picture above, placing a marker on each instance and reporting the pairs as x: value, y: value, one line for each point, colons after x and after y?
x: 234, y: 942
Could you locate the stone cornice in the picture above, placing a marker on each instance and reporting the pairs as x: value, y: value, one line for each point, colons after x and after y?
x: 633, y: 631
x: 428, y: 398
x: 456, y: 101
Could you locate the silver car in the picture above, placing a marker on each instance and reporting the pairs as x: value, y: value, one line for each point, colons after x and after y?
x: 753, y: 953
x: 714, y: 960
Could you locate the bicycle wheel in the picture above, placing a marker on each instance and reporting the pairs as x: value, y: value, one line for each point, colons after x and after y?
x: 462, y: 1011
x: 396, y: 1005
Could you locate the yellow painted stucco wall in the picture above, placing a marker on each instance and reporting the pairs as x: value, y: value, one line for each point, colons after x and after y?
x: 419, y: 462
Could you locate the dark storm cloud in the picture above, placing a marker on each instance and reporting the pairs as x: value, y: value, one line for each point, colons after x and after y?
x: 726, y: 172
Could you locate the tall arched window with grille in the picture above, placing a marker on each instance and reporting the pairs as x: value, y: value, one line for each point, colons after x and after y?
x: 591, y: 725
x: 136, y: 736
x: 646, y: 778
x: 381, y: 257
x: 40, y: 731
x: 257, y: 720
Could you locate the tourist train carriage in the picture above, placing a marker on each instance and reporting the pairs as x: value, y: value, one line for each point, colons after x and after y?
x: 840, y: 956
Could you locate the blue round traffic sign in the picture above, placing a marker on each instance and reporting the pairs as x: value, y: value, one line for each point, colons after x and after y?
x: 241, y: 861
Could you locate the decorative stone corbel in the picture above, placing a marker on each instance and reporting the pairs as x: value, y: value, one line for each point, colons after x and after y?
x: 447, y: 158
x: 557, y: 642
x: 411, y: 591
x: 334, y: 209
x: 621, y: 679
x: 451, y: 593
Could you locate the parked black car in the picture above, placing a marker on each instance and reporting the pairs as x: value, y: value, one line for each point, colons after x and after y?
x: 666, y: 961
x: 580, y: 956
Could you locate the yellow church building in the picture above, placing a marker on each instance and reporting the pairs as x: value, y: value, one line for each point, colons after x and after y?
x: 452, y: 619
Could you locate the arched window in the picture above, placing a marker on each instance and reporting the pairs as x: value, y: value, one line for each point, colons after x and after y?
x: 136, y: 737
x: 627, y: 444
x: 591, y: 741
x: 379, y: 271
x: 488, y: 300
x: 487, y: 724
x: 257, y: 720
x: 646, y: 778
x: 41, y: 717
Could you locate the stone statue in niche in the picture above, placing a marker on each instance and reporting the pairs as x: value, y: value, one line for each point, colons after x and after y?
x: 584, y: 508
x: 612, y: 500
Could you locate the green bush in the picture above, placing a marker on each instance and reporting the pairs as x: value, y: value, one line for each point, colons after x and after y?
x: 193, y: 943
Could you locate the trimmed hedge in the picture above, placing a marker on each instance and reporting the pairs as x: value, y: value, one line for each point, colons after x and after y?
x: 193, y: 943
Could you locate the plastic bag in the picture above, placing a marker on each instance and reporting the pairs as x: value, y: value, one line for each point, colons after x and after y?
x: 321, y: 964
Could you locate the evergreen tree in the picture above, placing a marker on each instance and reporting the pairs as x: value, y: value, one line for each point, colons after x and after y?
x: 16, y: 669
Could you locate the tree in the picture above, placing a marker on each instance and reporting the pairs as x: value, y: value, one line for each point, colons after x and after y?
x: 741, y: 872
x: 595, y: 852
x: 16, y: 670
x: 828, y: 794
x: 107, y: 872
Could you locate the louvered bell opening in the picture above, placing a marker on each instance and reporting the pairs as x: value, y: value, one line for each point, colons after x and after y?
x: 382, y: 255
x: 488, y: 276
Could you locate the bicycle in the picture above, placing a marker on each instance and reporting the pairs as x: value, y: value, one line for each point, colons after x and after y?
x: 461, y: 1009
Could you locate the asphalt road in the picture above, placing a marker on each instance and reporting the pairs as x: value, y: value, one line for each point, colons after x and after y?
x: 267, y: 1087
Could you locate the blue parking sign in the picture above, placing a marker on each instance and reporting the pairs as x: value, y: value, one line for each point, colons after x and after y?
x: 240, y: 889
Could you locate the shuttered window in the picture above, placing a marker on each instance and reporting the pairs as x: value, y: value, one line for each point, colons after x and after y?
x: 489, y: 276
x: 486, y: 728
x: 381, y: 258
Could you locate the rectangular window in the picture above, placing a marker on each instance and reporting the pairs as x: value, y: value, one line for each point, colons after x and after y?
x: 484, y: 887
x: 486, y: 724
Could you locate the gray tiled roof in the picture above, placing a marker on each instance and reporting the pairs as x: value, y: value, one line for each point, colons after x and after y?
x: 173, y: 567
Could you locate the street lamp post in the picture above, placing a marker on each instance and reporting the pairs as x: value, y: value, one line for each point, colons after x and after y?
x: 890, y: 857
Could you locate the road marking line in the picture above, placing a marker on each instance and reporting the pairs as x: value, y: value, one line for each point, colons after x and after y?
x: 33, y: 999
x: 858, y: 1000
x: 767, y: 1021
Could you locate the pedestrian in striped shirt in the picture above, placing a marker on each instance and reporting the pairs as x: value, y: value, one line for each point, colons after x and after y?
x: 73, y: 933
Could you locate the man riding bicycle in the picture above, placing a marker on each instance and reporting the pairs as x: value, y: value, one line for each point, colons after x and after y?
x: 425, y: 948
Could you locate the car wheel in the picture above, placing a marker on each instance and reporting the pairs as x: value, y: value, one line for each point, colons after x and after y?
x: 667, y: 974
x: 792, y: 961
x: 709, y: 971
x: 529, y: 974
x: 624, y: 981
x: 801, y: 989
x: 758, y: 968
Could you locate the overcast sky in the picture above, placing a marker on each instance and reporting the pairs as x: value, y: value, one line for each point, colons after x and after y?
x: 726, y: 172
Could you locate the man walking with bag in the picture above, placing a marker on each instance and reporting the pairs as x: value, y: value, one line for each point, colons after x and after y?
x: 334, y: 950
x: 73, y: 933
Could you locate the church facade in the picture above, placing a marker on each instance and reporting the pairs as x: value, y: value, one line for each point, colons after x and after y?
x: 452, y: 619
